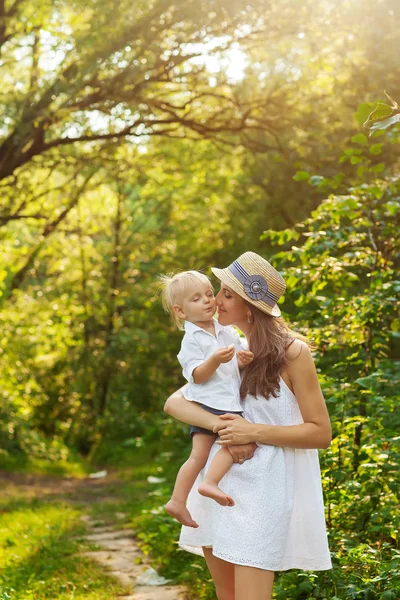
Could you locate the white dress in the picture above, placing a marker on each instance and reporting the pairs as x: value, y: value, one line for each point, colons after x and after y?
x: 278, y: 520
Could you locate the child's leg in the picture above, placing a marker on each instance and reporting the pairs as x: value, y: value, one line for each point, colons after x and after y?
x: 201, y: 446
x: 220, y: 464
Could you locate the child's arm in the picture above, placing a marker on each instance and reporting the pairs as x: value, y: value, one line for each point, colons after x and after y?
x: 243, y: 452
x: 197, y: 369
x: 203, y: 372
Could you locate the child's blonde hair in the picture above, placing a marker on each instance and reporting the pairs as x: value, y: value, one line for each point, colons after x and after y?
x: 174, y: 288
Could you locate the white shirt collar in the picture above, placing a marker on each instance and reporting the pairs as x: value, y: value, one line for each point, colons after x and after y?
x: 192, y: 328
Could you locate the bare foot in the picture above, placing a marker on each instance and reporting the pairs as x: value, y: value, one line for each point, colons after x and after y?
x: 212, y: 491
x: 179, y: 511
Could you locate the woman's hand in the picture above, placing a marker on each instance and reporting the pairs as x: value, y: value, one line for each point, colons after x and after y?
x: 234, y: 430
x: 242, y: 452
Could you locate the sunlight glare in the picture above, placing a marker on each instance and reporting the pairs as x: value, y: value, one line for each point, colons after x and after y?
x: 232, y: 62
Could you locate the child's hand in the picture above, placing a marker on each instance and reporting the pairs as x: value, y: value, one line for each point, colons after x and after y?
x: 244, y: 357
x: 224, y: 355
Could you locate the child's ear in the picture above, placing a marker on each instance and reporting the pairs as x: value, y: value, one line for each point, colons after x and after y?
x: 179, y: 312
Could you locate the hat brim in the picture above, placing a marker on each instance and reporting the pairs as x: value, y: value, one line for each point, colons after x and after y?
x: 230, y: 280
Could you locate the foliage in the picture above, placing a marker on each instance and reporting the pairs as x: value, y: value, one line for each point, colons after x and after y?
x: 343, y: 282
x: 383, y: 116
x: 90, y: 217
x: 143, y: 138
x: 342, y: 292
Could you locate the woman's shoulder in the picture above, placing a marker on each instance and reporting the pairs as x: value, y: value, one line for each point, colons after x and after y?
x: 295, y: 349
x: 298, y: 356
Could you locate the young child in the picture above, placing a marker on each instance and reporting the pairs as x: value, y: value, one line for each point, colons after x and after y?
x: 207, y: 357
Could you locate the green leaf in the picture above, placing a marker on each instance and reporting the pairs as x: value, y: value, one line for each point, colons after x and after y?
x: 305, y: 586
x: 301, y: 176
x: 363, y: 112
x: 392, y: 207
x: 376, y: 149
x: 360, y: 138
x: 377, y: 168
x: 381, y: 111
x: 369, y: 381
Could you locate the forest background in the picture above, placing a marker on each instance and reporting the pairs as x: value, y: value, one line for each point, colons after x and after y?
x: 138, y: 138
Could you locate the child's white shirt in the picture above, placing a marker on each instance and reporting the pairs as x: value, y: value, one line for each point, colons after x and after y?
x: 221, y: 391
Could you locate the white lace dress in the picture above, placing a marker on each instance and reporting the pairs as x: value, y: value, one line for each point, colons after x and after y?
x: 278, y: 520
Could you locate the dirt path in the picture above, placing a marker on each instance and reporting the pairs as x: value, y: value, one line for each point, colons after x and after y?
x: 115, y: 549
x: 118, y: 552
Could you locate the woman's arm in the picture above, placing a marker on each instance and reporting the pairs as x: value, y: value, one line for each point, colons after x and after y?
x: 316, y: 430
x: 191, y: 413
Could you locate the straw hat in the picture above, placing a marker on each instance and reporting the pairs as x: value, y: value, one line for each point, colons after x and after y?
x: 253, y: 278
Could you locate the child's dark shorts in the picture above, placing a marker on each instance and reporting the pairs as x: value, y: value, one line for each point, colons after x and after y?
x: 214, y: 411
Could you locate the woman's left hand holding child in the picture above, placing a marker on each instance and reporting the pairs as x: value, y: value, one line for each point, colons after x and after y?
x: 234, y: 429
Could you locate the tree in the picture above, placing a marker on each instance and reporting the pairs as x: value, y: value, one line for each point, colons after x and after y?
x: 117, y: 72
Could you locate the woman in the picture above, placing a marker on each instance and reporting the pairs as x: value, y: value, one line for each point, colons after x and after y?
x: 277, y: 522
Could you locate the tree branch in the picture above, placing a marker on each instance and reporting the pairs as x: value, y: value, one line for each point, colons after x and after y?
x: 48, y: 229
x: 6, y: 218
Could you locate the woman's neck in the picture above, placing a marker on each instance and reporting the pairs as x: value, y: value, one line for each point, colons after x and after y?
x: 244, y: 327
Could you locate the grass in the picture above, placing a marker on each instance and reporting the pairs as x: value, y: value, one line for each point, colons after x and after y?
x: 74, y: 466
x: 42, y: 534
x: 39, y: 543
x: 40, y: 537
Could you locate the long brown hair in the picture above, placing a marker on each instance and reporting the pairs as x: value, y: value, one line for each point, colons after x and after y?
x: 268, y: 339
